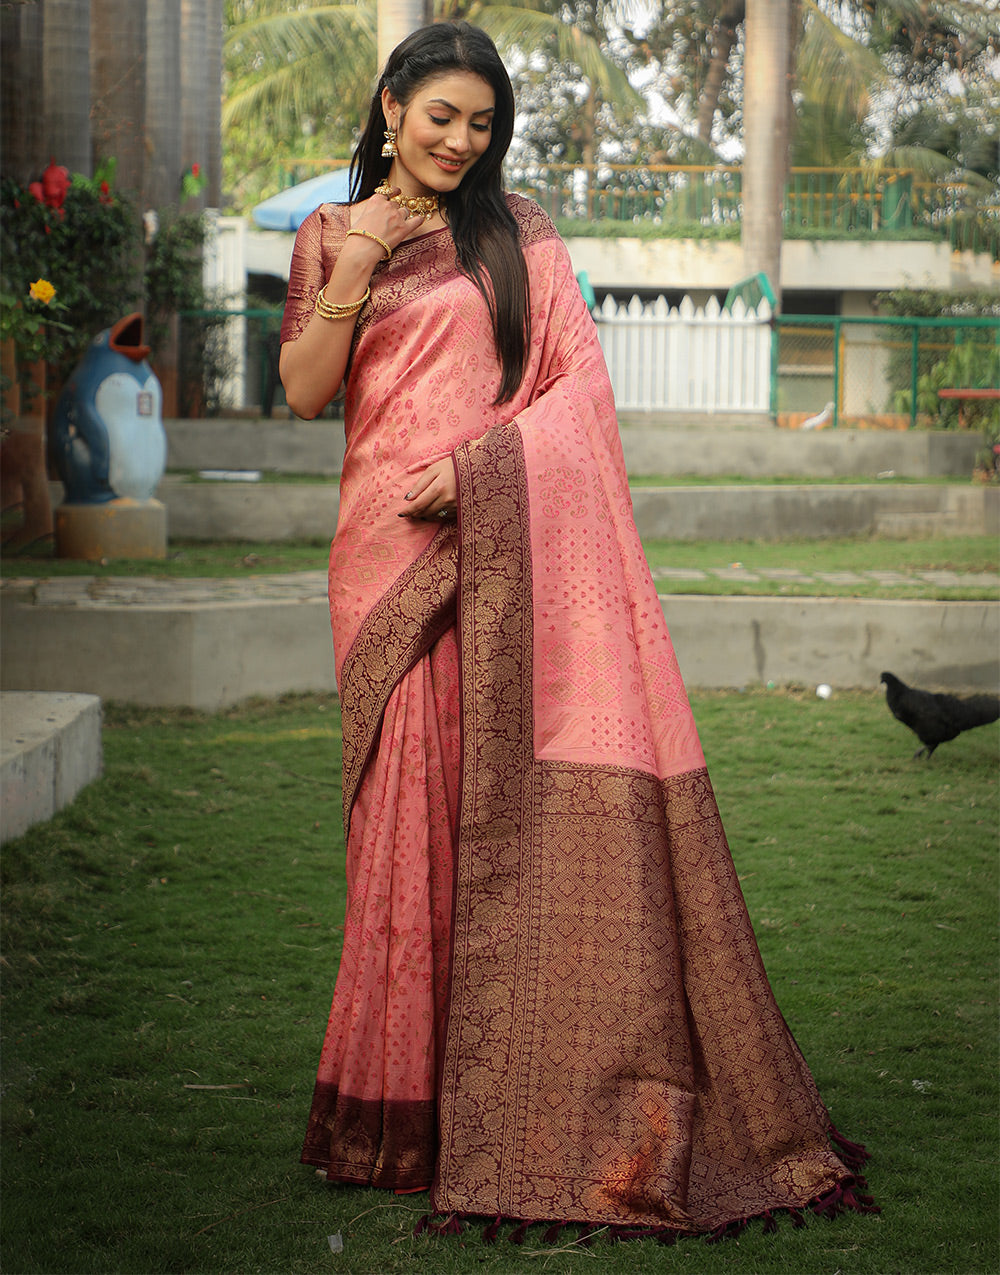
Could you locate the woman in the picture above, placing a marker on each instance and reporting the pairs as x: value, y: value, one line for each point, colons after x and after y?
x: 550, y: 1004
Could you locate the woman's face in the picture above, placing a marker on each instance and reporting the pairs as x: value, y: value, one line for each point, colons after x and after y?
x: 442, y: 132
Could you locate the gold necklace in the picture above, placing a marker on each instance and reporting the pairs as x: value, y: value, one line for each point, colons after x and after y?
x: 425, y: 205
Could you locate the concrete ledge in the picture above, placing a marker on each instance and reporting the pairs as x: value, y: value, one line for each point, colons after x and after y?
x: 50, y: 748
x: 250, y: 511
x: 277, y: 447
x: 212, y: 654
x: 785, y: 512
x: 780, y: 453
x: 198, y: 655
x: 666, y: 444
x: 282, y: 511
x: 739, y: 641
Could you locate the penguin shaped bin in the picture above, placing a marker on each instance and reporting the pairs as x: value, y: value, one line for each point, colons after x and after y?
x: 108, y: 440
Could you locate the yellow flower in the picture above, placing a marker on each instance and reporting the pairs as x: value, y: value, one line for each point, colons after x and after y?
x: 42, y: 290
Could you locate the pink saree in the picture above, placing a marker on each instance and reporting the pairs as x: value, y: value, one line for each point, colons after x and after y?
x: 550, y: 1004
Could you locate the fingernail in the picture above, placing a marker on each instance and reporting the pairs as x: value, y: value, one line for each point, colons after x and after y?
x: 408, y: 496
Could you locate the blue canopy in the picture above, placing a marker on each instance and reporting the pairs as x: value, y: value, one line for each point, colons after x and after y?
x: 289, y: 209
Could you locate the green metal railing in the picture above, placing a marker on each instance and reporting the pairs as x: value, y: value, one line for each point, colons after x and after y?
x: 886, y: 372
x: 848, y: 371
x: 841, y: 201
x: 229, y: 358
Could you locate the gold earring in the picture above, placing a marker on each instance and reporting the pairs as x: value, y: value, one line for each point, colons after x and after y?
x: 389, y: 145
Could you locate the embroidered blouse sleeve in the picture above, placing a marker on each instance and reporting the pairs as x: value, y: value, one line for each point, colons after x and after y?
x: 317, y: 243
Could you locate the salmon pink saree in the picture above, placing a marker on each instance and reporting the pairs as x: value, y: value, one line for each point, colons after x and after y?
x: 550, y: 1004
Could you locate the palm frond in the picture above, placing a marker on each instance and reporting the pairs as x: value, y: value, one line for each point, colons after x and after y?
x: 307, y: 87
x: 834, y: 70
x: 294, y: 33
x: 526, y: 29
x: 931, y: 165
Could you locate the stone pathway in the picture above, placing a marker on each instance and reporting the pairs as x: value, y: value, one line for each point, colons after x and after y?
x: 739, y: 574
x: 301, y: 586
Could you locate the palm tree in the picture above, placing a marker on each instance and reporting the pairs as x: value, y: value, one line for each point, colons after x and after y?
x: 194, y: 77
x: 765, y: 112
x: 282, y: 64
x: 22, y: 108
x: 118, y: 88
x: 847, y: 58
x: 163, y: 103
x: 396, y: 19
x: 67, y: 82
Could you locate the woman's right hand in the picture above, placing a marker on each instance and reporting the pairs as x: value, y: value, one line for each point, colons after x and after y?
x: 379, y: 215
x: 312, y: 367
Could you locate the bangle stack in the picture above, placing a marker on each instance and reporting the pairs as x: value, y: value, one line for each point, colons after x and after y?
x: 356, y: 230
x: 329, y: 310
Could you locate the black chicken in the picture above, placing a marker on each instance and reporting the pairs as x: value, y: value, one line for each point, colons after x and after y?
x: 936, y: 718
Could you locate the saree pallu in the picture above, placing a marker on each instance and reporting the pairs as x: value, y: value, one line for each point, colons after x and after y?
x: 551, y: 997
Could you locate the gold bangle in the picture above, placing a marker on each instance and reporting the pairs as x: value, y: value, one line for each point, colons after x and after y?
x: 329, y: 310
x: 368, y: 235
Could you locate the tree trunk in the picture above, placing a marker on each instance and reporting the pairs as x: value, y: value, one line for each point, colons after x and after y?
x: 163, y: 104
x: 195, y: 70
x: 67, y: 83
x: 22, y: 117
x: 765, y: 115
x: 118, y: 89
x: 214, y: 26
x: 723, y: 39
x: 396, y: 19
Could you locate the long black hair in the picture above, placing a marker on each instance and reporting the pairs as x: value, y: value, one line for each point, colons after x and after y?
x: 483, y: 227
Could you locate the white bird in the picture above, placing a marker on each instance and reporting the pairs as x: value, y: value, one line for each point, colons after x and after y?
x: 819, y: 420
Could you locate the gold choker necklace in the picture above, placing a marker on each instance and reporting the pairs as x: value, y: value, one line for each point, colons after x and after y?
x: 424, y: 205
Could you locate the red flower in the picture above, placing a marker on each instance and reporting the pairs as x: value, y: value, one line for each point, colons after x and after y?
x: 195, y: 170
x: 105, y: 195
x: 51, y: 190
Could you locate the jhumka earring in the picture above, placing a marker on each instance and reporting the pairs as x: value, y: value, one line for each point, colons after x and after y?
x: 389, y: 145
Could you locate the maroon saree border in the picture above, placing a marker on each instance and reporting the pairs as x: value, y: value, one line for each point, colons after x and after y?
x: 401, y: 628
x: 378, y: 1143
x: 614, y: 1054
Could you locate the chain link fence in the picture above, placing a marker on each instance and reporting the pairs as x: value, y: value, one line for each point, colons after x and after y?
x: 228, y: 362
x: 893, y: 373
x: 826, y: 371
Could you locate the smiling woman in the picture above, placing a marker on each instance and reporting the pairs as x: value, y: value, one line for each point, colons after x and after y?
x: 445, y: 128
x: 550, y: 1003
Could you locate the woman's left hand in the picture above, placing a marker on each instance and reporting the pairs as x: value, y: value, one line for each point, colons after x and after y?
x: 433, y: 495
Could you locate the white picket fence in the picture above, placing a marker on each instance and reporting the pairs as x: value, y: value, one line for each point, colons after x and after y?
x: 684, y: 358
x: 661, y: 359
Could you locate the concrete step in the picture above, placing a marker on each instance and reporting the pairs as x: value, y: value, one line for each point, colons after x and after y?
x: 207, y: 644
x: 304, y: 511
x: 50, y: 748
x: 659, y: 446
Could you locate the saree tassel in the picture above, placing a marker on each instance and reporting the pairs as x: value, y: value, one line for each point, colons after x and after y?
x: 797, y: 1218
x: 552, y: 1234
x: 853, y: 1154
x: 517, y: 1236
x: 857, y: 1203
x: 831, y: 1204
x: 844, y: 1198
x: 492, y: 1230
x: 622, y: 1234
x: 770, y: 1222
x: 450, y: 1225
x: 588, y: 1234
x: 729, y: 1230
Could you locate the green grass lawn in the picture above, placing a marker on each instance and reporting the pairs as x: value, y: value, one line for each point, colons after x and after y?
x: 170, y: 946
x: 962, y: 554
